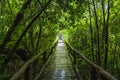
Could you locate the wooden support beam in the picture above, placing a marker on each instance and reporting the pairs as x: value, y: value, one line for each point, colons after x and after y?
x: 44, y: 57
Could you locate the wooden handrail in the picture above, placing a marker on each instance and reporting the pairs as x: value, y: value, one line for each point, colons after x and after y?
x: 99, y: 69
x: 28, y: 63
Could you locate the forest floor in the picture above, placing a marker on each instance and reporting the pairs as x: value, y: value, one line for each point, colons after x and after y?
x: 60, y: 67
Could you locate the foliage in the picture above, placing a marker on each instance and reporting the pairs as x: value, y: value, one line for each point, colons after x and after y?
x: 90, y: 26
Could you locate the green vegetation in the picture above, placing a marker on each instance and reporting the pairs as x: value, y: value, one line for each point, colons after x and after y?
x: 28, y: 27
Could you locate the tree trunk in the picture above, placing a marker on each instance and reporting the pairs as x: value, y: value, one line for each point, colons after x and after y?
x: 93, y: 71
x: 106, y: 37
x: 97, y: 27
x: 91, y: 30
x: 103, y: 31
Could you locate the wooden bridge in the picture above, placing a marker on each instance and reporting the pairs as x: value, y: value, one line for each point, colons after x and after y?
x: 59, y: 63
x: 60, y: 67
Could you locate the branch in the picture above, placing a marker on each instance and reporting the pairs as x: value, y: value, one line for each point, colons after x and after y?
x: 17, y: 20
x: 24, y: 32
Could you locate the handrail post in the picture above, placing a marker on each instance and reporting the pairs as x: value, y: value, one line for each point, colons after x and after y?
x: 44, y: 57
x: 74, y: 56
x: 54, y: 47
x: 51, y: 51
x: 26, y: 74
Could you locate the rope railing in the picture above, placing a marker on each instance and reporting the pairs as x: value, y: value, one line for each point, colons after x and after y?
x: 104, y: 74
x: 27, y: 64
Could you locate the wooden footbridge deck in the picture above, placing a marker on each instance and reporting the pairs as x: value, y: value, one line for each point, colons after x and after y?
x: 60, y: 66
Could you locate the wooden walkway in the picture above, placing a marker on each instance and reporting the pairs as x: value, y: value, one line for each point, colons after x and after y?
x: 60, y: 67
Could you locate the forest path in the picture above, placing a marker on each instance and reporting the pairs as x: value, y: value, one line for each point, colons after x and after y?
x: 60, y: 67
